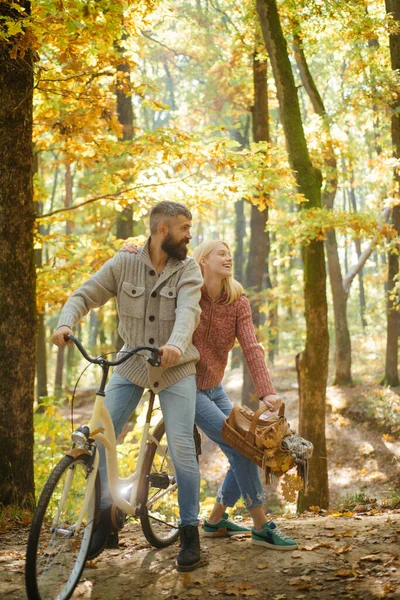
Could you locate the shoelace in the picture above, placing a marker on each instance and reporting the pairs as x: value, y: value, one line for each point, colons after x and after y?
x: 281, y: 534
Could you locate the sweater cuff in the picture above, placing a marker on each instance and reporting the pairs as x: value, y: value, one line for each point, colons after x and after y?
x: 66, y: 319
x: 180, y: 341
x: 265, y: 390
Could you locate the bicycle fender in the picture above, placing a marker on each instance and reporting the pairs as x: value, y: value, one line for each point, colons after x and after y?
x: 76, y: 452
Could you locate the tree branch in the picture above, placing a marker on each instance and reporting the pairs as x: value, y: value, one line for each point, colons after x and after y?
x: 112, y: 196
x: 355, y: 269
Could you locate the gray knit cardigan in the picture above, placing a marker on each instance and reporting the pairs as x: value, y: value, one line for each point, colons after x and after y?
x: 153, y: 310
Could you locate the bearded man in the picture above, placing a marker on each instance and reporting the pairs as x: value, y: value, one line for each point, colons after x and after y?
x: 158, y: 293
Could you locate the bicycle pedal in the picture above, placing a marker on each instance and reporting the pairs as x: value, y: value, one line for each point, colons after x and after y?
x: 159, y: 480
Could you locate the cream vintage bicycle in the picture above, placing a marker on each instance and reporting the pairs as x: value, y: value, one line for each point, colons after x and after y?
x: 69, y: 505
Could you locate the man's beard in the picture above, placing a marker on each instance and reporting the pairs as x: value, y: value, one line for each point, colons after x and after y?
x: 175, y: 249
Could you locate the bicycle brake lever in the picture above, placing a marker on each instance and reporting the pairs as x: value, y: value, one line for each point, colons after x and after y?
x: 154, y: 359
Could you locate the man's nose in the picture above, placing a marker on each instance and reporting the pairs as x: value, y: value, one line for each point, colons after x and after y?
x: 189, y: 235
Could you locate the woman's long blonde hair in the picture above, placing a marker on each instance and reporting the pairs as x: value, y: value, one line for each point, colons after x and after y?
x: 232, y: 288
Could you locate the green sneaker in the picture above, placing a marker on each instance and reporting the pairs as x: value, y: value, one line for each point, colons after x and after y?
x: 224, y: 528
x: 272, y: 537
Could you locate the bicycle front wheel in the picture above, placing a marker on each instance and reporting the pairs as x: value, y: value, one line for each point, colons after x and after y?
x: 61, y: 530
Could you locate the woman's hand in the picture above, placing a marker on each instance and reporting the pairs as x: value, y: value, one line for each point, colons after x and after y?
x: 273, y: 402
x: 131, y: 248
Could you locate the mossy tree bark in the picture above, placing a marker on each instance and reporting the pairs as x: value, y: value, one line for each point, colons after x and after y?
x: 391, y: 363
x: 17, y: 273
x: 313, y: 362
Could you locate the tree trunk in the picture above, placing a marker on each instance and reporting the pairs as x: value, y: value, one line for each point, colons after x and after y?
x: 391, y: 364
x: 59, y: 375
x: 342, y: 335
x: 357, y: 244
x: 17, y: 273
x: 258, y: 236
x: 126, y: 119
x: 339, y: 297
x: 313, y: 363
x: 238, y: 259
x: 273, y: 329
x: 41, y: 351
x: 124, y: 223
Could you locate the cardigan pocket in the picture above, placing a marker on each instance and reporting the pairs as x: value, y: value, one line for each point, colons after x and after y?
x: 132, y: 300
x: 167, y: 303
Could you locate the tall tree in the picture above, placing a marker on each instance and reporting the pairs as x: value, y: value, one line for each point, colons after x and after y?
x: 17, y: 265
x: 339, y: 296
x: 126, y: 119
x: 259, y: 240
x: 391, y: 364
x: 313, y: 362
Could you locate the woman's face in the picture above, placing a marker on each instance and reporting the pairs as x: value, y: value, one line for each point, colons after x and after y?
x: 219, y: 261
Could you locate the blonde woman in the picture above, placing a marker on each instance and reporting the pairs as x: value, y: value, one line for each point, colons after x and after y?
x: 225, y: 317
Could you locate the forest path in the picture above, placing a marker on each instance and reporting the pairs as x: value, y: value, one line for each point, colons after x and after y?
x: 352, y: 554
x: 353, y: 557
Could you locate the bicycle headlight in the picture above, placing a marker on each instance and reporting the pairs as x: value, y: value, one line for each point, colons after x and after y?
x: 80, y: 436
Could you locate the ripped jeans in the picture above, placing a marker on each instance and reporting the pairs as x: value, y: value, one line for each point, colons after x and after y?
x: 242, y: 478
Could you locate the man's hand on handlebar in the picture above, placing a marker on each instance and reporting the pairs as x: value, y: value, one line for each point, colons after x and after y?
x: 170, y: 356
x: 58, y: 337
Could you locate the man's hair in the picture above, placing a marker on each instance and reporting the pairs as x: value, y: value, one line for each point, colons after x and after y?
x: 164, y: 210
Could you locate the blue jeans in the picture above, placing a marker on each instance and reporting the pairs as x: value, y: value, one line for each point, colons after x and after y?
x: 178, y: 409
x: 242, y: 478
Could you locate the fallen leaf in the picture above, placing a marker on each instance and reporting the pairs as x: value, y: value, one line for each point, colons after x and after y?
x: 342, y: 550
x: 297, y: 554
x: 371, y: 558
x: 347, y: 533
x: 300, y: 580
x: 186, y: 579
x: 262, y: 565
x: 344, y: 573
x: 248, y: 593
x: 244, y: 585
x: 219, y: 584
x: 232, y: 591
x: 196, y: 592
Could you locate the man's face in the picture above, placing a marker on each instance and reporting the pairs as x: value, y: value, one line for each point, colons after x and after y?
x: 178, y: 237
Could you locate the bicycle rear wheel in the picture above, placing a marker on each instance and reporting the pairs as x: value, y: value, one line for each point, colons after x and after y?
x: 57, y: 550
x: 158, y: 492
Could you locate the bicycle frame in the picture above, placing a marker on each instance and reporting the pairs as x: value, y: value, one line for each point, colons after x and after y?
x: 107, y: 438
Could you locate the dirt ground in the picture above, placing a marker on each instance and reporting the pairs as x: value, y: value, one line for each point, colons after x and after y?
x: 342, y: 553
x: 355, y: 557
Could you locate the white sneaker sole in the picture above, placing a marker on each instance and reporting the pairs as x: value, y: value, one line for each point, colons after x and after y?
x: 272, y: 546
x: 224, y: 533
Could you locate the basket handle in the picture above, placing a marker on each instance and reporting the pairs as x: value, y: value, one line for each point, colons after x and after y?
x: 252, y: 429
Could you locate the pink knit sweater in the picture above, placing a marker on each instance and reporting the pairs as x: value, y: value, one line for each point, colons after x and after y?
x: 220, y: 324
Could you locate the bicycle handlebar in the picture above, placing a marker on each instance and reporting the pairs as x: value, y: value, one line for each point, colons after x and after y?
x: 154, y: 359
